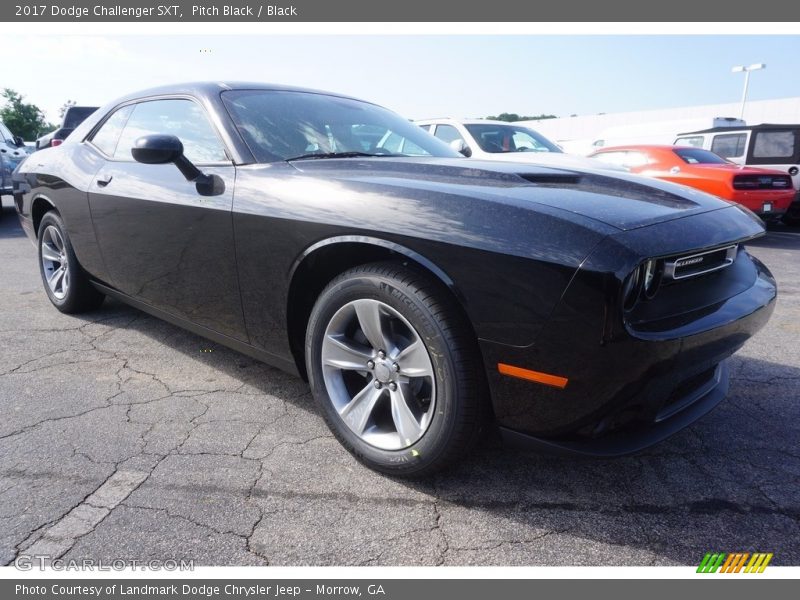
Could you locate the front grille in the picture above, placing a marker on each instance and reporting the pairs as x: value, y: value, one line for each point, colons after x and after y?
x: 762, y: 182
x: 692, y: 265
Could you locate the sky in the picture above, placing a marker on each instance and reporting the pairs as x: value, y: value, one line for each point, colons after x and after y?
x: 416, y: 75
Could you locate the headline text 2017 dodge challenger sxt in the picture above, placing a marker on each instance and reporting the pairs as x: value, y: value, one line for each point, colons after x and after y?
x: 422, y: 295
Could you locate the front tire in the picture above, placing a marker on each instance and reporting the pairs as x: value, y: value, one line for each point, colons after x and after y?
x: 396, y: 370
x: 65, y: 282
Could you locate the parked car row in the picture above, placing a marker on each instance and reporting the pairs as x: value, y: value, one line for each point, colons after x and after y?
x: 73, y: 116
x: 716, y: 160
x: 424, y: 297
x: 775, y: 149
x: 768, y: 146
x: 767, y: 192
x: 12, y: 151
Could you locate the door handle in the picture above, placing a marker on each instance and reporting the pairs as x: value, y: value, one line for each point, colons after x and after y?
x: 104, y: 180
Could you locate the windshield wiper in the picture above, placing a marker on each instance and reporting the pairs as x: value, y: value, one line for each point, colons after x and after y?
x: 336, y: 155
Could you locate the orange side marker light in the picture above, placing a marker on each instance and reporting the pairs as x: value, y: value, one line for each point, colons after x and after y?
x: 529, y: 375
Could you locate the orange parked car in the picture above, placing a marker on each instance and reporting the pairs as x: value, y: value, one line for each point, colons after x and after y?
x: 766, y: 192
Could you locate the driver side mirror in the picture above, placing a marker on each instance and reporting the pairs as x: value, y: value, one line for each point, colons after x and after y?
x: 461, y: 146
x: 19, y: 141
x: 158, y: 149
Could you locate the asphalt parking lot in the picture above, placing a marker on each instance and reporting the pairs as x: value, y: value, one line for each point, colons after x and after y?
x: 123, y: 437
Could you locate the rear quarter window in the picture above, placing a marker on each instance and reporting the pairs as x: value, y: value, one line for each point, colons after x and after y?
x: 729, y: 145
x: 776, y: 146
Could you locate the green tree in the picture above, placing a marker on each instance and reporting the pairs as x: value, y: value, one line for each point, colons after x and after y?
x: 511, y: 117
x: 540, y: 117
x: 23, y: 119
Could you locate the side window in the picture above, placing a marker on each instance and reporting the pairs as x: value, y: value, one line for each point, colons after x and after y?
x: 179, y: 117
x: 425, y: 127
x: 729, y: 145
x: 693, y: 140
x: 447, y: 133
x: 774, y: 144
x: 105, y: 138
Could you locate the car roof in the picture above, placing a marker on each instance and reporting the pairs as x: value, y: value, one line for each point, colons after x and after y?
x: 468, y: 121
x: 214, y: 88
x: 765, y: 126
x: 644, y: 148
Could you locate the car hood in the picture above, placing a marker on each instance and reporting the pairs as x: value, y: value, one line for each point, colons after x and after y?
x: 558, y: 160
x: 620, y: 200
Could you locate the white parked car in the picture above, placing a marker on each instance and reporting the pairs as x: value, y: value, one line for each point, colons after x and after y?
x: 499, y: 140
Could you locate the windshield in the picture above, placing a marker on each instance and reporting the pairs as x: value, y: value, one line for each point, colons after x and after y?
x: 279, y: 125
x: 510, y: 138
x: 697, y: 156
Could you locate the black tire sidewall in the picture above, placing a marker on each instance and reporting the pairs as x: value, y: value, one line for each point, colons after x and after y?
x: 433, y: 444
x: 792, y: 215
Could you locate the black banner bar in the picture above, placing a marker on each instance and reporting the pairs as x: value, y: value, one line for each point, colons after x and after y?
x: 404, y: 11
x: 731, y: 587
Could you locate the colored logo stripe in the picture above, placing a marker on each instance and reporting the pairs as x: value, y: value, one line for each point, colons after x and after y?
x: 758, y: 563
x: 733, y: 563
x: 711, y: 562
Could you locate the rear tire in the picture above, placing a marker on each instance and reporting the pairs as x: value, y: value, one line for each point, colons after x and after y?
x: 66, y: 283
x: 391, y: 342
x: 792, y: 216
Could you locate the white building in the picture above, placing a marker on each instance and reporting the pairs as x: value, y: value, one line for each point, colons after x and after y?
x: 583, y: 133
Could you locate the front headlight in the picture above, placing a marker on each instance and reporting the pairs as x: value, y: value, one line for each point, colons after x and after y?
x: 653, y: 269
x: 644, y: 281
x: 632, y: 288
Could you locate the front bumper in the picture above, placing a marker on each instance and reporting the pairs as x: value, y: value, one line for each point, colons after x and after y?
x: 680, y: 413
x: 641, y: 381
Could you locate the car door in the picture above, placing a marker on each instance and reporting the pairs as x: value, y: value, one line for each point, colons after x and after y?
x: 162, y: 242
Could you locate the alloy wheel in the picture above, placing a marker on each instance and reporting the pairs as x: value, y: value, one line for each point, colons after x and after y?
x: 378, y: 374
x: 54, y: 262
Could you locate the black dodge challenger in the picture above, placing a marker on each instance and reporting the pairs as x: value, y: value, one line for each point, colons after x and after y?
x: 421, y: 294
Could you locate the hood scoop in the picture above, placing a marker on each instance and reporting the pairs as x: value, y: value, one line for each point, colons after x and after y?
x: 552, y: 178
x: 619, y: 187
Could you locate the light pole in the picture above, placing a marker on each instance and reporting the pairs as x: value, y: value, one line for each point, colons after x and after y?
x: 746, y: 71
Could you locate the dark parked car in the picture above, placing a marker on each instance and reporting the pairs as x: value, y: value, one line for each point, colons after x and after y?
x: 73, y: 116
x: 422, y: 295
x: 12, y: 151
